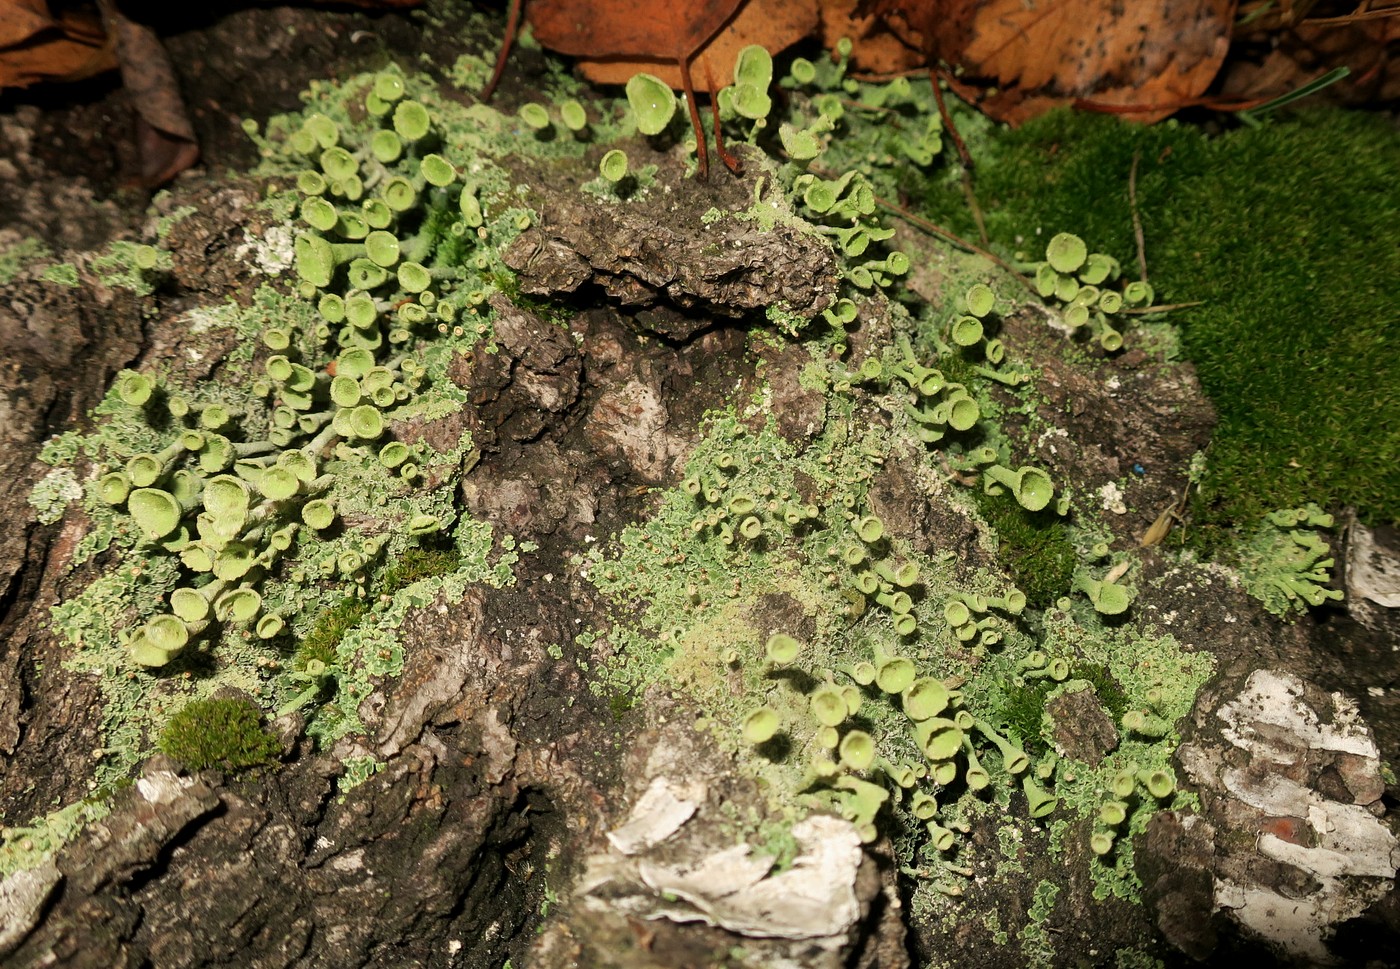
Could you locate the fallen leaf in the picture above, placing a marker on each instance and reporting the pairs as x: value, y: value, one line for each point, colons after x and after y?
x: 163, y: 131
x: 627, y: 28
x: 875, y: 48
x: 623, y: 29
x: 1018, y: 58
x: 22, y: 19
x: 36, y: 46
x: 772, y: 24
x: 1298, y: 54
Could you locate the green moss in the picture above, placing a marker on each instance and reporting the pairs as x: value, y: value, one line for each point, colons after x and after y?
x: 620, y: 704
x: 223, y: 732
x: 1034, y: 547
x: 414, y: 565
x: 1276, y: 230
x: 330, y: 628
x: 1109, y: 691
x: 334, y: 622
x: 1021, y: 713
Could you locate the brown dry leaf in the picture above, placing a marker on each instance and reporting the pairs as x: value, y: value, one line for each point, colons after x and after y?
x: 1143, y: 60
x: 35, y: 46
x: 22, y: 19
x: 628, y: 29
x: 658, y: 29
x: 877, y: 50
x: 773, y: 24
x: 1309, y: 50
x: 164, y: 132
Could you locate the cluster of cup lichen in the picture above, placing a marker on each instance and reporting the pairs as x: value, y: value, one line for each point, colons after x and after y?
x: 1081, y: 282
x: 237, y: 512
x: 1284, y: 563
x: 898, y: 699
x: 864, y: 676
x: 386, y: 230
x: 903, y: 697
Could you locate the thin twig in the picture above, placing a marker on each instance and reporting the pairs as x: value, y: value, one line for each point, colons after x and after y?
x: 1213, y: 102
x: 963, y: 155
x: 971, y: 197
x: 1137, y: 219
x: 1350, y: 18
x: 1143, y: 310
x: 512, y: 29
x: 961, y: 243
x: 874, y: 108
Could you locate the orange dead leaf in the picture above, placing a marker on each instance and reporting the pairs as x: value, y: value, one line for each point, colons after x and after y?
x: 1143, y: 60
x: 22, y: 19
x: 773, y: 24
x: 633, y: 28
x: 877, y: 49
x: 35, y: 46
x: 1299, y: 53
x: 627, y: 28
x: 163, y: 129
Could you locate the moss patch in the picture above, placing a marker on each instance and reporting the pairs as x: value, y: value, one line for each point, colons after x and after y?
x: 224, y: 732
x: 1035, y: 548
x: 333, y: 623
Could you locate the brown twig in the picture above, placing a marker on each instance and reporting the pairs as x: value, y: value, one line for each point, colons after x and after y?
x: 1350, y: 18
x: 964, y: 156
x: 1143, y: 310
x: 1137, y: 219
x: 1212, y: 102
x: 689, y: 88
x: 929, y: 227
x: 507, y: 41
x: 875, y: 108
x: 730, y: 162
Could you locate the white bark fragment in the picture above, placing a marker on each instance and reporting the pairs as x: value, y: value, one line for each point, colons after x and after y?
x: 657, y: 815
x: 813, y: 899
x: 1343, y: 848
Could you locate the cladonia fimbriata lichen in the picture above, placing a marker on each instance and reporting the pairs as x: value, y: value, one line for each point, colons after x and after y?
x: 1285, y: 563
x: 233, y: 516
x: 859, y: 669
x: 849, y: 658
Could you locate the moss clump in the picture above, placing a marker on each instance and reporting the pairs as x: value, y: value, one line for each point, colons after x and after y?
x: 1275, y: 230
x: 620, y: 704
x: 1021, y: 714
x: 1034, y: 547
x: 224, y: 732
x: 414, y: 565
x: 331, y: 627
